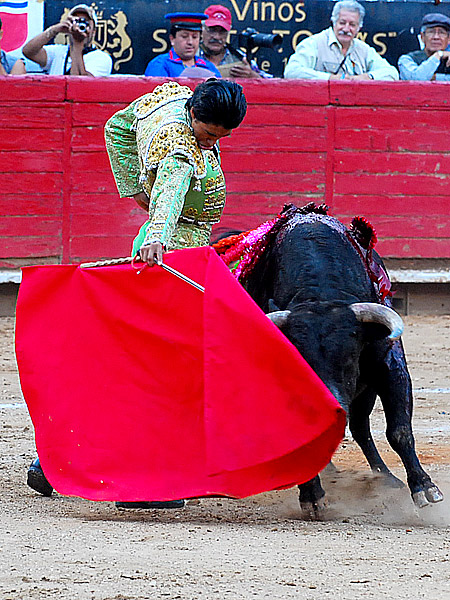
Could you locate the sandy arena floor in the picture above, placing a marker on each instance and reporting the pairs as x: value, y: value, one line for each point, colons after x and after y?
x: 374, y: 543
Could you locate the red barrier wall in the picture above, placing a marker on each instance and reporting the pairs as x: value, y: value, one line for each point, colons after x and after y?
x: 375, y: 149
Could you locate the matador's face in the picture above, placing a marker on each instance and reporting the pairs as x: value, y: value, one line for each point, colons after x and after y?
x: 207, y: 134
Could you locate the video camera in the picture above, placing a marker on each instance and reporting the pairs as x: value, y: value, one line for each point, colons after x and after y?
x: 250, y: 39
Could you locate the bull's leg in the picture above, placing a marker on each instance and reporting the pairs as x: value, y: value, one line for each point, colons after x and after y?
x: 359, y: 424
x: 395, y: 391
x: 311, y: 497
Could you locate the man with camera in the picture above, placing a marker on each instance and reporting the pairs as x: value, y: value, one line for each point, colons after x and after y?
x: 80, y: 56
x: 433, y: 62
x: 335, y: 53
x: 214, y: 47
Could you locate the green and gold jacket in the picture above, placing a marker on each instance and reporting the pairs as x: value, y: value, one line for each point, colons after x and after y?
x: 152, y: 148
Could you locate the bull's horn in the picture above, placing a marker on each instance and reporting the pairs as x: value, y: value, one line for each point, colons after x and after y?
x: 370, y: 312
x: 279, y: 317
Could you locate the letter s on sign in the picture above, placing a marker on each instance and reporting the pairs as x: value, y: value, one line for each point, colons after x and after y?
x: 377, y: 40
x: 299, y: 10
x: 160, y: 40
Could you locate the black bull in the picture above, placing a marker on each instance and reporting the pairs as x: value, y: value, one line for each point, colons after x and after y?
x: 312, y: 280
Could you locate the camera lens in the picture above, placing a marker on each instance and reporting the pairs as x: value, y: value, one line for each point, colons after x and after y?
x: 250, y: 39
x: 82, y: 25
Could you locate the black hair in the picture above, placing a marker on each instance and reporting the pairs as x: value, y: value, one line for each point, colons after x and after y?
x: 1, y: 24
x: 219, y: 102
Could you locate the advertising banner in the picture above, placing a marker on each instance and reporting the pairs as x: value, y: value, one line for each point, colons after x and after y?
x: 134, y: 32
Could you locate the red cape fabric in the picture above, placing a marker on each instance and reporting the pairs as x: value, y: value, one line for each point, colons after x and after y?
x: 141, y: 387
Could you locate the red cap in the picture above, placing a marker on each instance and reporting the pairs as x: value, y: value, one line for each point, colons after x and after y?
x: 218, y: 15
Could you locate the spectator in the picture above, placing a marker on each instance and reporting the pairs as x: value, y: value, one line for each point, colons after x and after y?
x: 433, y: 62
x: 80, y: 56
x: 9, y: 65
x: 185, y: 31
x: 214, y: 46
x: 335, y: 53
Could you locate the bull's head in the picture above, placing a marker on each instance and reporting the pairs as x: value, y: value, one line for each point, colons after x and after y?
x: 332, y: 336
x: 366, y: 312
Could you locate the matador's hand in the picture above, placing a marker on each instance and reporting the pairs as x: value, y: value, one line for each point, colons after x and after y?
x: 151, y: 252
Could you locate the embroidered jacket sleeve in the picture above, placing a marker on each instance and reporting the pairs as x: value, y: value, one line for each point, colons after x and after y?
x: 120, y: 139
x: 409, y: 69
x: 168, y: 194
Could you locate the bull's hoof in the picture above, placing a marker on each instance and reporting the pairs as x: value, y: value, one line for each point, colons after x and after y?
x: 420, y: 499
x: 314, y: 511
x: 434, y: 494
x: 423, y: 498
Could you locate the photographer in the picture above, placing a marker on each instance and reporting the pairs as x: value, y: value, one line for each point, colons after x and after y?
x: 80, y: 56
x: 214, y: 46
x: 433, y: 62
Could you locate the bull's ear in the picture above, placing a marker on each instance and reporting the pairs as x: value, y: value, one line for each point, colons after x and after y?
x: 272, y: 306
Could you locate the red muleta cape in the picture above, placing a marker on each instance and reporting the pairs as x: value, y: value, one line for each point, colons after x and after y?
x: 141, y: 387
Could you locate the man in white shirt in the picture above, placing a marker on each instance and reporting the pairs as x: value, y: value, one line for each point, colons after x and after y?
x: 80, y: 56
x: 335, y: 53
x: 433, y: 62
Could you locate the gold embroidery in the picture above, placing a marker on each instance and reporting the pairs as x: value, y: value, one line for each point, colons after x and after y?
x: 210, y: 185
x: 175, y: 139
x: 191, y: 212
x: 221, y: 197
x: 162, y: 94
x: 213, y: 160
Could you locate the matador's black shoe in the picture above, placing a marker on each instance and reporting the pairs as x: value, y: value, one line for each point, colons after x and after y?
x: 37, y: 480
x: 154, y: 504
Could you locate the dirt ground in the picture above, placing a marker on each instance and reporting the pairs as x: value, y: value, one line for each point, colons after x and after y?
x: 373, y: 544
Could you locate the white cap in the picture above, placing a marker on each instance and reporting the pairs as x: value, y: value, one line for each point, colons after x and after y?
x: 86, y: 9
